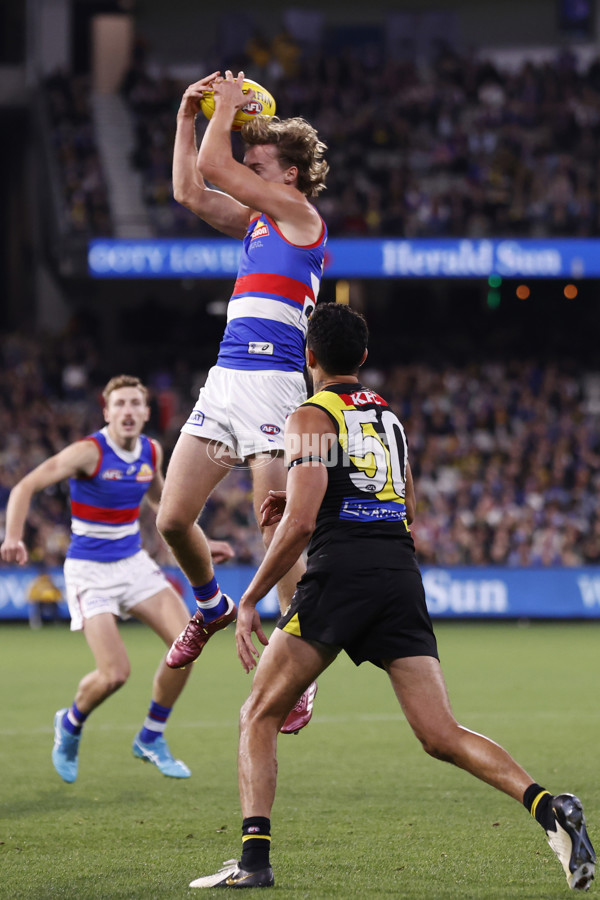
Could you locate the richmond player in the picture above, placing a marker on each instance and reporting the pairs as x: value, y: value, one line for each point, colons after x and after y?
x: 350, y: 497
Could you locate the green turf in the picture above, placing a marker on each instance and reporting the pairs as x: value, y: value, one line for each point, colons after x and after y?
x: 361, y: 811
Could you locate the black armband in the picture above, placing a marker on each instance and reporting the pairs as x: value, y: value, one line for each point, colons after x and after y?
x: 306, y: 459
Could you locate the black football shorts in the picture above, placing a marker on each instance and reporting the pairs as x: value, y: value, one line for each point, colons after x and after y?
x: 373, y: 615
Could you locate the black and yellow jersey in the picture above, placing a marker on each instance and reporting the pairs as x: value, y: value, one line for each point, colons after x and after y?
x: 362, y: 518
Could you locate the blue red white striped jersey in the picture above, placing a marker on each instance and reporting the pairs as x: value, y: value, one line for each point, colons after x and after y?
x: 274, y: 294
x: 105, y: 507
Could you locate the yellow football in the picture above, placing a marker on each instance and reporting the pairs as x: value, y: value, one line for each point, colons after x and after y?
x: 261, y: 104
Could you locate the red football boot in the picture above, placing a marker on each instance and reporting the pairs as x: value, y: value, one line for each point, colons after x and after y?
x: 301, y: 713
x: 190, y: 643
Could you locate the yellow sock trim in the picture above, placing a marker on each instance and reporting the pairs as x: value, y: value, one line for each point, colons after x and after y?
x: 534, y: 805
x: 247, y: 837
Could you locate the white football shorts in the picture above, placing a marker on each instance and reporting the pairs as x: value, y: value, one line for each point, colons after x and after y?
x: 113, y: 587
x: 245, y: 410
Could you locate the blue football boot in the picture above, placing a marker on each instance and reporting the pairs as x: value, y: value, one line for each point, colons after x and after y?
x: 65, y: 750
x: 159, y: 755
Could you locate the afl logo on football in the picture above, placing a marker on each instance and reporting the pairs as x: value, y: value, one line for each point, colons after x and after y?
x: 270, y: 429
x: 254, y: 108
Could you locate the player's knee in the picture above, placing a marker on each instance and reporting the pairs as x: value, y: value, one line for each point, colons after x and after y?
x: 255, y: 711
x: 170, y: 524
x: 439, y: 744
x: 248, y: 714
x: 116, y: 676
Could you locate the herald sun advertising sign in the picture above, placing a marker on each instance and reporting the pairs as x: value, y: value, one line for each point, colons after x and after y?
x: 357, y: 258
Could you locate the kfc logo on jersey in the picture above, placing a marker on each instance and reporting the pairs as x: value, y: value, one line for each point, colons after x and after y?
x: 270, y: 429
x: 112, y: 475
x: 145, y: 473
x: 261, y: 229
x: 360, y: 398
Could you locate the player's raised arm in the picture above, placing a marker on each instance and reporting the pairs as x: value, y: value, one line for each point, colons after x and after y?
x: 189, y: 188
x: 80, y: 458
x: 269, y: 181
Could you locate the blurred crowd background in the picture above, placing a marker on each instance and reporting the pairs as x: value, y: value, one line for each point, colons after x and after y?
x: 505, y: 455
x: 450, y: 146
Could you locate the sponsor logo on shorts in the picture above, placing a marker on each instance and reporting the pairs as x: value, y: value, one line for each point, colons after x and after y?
x: 112, y: 475
x: 260, y: 348
x: 261, y: 229
x: 270, y: 429
x: 145, y: 473
x: 196, y: 418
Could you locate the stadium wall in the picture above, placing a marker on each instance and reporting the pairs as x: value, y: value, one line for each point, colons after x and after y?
x: 456, y: 593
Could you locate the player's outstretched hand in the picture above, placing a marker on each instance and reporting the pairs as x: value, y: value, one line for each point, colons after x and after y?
x: 273, y: 507
x: 221, y: 551
x: 229, y: 90
x: 190, y: 102
x: 248, y: 621
x: 14, y: 551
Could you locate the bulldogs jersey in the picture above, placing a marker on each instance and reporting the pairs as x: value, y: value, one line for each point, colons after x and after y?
x: 362, y: 518
x: 275, y: 292
x: 105, y: 507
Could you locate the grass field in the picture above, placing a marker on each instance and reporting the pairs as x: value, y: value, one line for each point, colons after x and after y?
x: 361, y: 811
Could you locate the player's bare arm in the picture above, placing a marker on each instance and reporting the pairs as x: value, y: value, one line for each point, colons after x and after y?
x: 154, y: 492
x: 80, y: 458
x: 260, y: 184
x: 308, y: 430
x: 189, y: 188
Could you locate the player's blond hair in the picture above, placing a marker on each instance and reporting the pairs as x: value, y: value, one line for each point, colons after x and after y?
x: 298, y: 145
x: 121, y: 381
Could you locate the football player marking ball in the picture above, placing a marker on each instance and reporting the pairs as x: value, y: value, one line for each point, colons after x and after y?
x: 262, y: 104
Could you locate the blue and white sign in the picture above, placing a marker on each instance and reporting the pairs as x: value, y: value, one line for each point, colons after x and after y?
x: 15, y: 582
x: 481, y: 593
x: 497, y: 592
x: 357, y: 258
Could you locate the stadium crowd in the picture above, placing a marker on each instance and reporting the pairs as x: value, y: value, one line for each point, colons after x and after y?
x: 84, y: 197
x: 505, y: 457
x: 451, y: 146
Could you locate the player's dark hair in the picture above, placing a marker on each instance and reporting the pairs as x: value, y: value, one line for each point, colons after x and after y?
x: 338, y: 336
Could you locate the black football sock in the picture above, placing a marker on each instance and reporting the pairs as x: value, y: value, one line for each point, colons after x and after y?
x: 538, y: 801
x: 256, y: 843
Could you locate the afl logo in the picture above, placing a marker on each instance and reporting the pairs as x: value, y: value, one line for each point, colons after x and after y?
x: 112, y: 475
x: 253, y: 108
x: 270, y: 429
